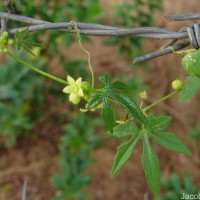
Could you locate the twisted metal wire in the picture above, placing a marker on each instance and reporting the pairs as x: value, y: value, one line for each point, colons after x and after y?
x: 189, y: 35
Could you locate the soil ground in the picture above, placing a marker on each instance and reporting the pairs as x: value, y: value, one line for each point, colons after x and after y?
x: 35, y: 159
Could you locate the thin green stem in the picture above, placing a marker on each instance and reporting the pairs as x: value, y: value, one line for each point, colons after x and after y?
x: 98, y: 90
x: 160, y: 101
x: 36, y: 69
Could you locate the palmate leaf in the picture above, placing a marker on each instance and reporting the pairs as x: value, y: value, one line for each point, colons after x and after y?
x: 155, y: 126
x: 124, y: 153
x: 22, y: 34
x: 151, y: 165
x: 24, y: 43
x: 107, y: 114
x: 157, y: 123
x: 126, y: 129
x: 27, y: 49
x: 130, y: 106
x: 171, y: 142
x: 105, y: 79
x: 192, y: 86
x: 108, y: 93
x: 118, y: 85
x: 32, y: 43
x: 94, y: 101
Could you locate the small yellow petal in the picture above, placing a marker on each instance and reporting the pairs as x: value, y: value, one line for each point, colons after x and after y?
x: 83, y: 110
x: 70, y: 80
x: 74, y: 98
x: 80, y: 92
x: 79, y: 81
x: 67, y: 89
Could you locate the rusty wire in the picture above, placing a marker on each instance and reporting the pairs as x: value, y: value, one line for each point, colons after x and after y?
x: 189, y: 35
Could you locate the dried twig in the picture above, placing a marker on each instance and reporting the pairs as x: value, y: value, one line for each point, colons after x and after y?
x: 24, y: 190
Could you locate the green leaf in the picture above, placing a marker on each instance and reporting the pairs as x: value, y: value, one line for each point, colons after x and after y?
x: 26, y: 44
x: 22, y: 34
x: 157, y: 123
x: 126, y: 129
x: 58, y: 182
x: 130, y: 106
x: 151, y: 166
x: 124, y: 152
x: 105, y: 79
x: 27, y: 49
x: 192, y: 86
x: 171, y: 142
x: 107, y: 114
x: 32, y: 43
x: 94, y: 101
x: 118, y: 85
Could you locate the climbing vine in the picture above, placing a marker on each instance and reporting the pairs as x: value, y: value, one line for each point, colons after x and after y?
x: 138, y: 123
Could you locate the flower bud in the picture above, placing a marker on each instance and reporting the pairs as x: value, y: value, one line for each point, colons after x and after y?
x: 86, y: 87
x: 5, y: 50
x: 10, y: 42
x: 5, y: 34
x: 143, y: 95
x: 177, y: 85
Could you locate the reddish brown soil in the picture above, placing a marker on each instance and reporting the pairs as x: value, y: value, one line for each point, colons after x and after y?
x: 35, y: 158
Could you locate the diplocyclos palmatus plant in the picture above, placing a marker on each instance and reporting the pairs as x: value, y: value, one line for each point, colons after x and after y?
x: 139, y: 123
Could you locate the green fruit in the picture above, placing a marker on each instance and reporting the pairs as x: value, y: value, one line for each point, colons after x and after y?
x: 177, y: 85
x: 5, y: 50
x: 10, y: 42
x: 5, y: 34
x: 86, y: 87
x: 191, y: 63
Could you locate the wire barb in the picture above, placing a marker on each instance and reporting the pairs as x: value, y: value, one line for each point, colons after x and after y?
x: 189, y: 35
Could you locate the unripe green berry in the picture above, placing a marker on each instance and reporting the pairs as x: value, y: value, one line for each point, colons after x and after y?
x: 5, y: 50
x: 191, y: 62
x: 86, y: 87
x: 177, y: 85
x: 10, y: 42
x: 5, y: 34
x: 4, y: 43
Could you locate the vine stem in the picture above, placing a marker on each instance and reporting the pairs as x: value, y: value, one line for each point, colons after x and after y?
x: 160, y: 101
x: 36, y: 69
x: 87, y: 52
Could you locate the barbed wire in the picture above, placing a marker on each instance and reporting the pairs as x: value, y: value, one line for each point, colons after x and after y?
x: 189, y: 35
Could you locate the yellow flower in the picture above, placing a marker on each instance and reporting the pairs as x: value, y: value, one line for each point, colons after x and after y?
x: 74, y: 89
x: 143, y: 95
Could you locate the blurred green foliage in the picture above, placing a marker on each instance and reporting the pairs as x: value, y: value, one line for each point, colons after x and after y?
x: 20, y: 91
x: 195, y: 133
x: 175, y: 187
x: 76, y: 145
